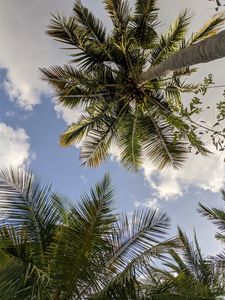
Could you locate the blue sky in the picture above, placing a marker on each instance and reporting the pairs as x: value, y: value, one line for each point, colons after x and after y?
x: 30, y: 122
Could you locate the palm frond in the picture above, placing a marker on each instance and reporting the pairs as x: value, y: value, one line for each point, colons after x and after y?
x: 130, y: 143
x: 96, y: 147
x: 86, y: 19
x: 75, y: 132
x: 187, y: 276
x: 159, y: 143
x: 178, y: 287
x: 216, y: 215
x: 63, y: 30
x: 120, y: 288
x: 210, y: 28
x: 144, y: 21
x: 93, y: 119
x: 189, y: 254
x: 71, y: 86
x: 91, y: 57
x: 88, y: 52
x: 170, y: 42
x: 84, y: 245
x: 11, y: 280
x: 26, y: 200
x: 146, y: 229
x: 30, y: 273
x: 173, y: 96
x: 119, y: 12
x: 218, y: 263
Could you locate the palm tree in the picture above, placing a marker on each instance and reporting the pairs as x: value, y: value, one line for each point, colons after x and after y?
x: 121, y: 81
x: 217, y: 216
x: 188, y: 275
x: 52, y: 249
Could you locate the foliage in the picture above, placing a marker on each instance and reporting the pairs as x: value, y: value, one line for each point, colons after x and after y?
x: 143, y: 120
x: 52, y: 249
x: 188, y: 275
x: 193, y: 113
x: 217, y: 216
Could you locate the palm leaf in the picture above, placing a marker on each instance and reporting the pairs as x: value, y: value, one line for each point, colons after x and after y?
x: 96, y: 147
x: 118, y: 11
x: 69, y: 31
x: 172, y: 93
x: 26, y: 200
x: 144, y: 22
x: 71, y: 86
x: 86, y: 19
x: 29, y: 274
x: 159, y: 143
x: 78, y: 131
x: 11, y: 280
x: 210, y: 28
x: 170, y: 42
x: 63, y: 30
x: 84, y: 245
x: 130, y: 143
x: 187, y: 276
x: 216, y: 215
x: 146, y: 229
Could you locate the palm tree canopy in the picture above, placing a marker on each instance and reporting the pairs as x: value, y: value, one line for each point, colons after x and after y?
x: 217, y: 216
x: 141, y: 117
x: 52, y: 249
x: 188, y: 275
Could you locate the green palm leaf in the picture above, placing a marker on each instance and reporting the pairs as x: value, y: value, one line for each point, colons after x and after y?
x: 30, y: 214
x: 187, y: 275
x: 63, y: 30
x: 26, y: 199
x: 84, y: 245
x: 118, y: 11
x: 86, y: 19
x: 162, y: 137
x: 69, y: 31
x: 144, y: 231
x: 170, y: 42
x: 144, y: 20
x: 96, y: 148
x: 130, y: 143
x: 211, y: 27
x: 217, y: 216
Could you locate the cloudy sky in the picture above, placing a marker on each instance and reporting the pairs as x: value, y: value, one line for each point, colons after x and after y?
x: 30, y: 121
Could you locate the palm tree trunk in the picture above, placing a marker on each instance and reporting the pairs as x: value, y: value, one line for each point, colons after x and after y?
x: 207, y: 50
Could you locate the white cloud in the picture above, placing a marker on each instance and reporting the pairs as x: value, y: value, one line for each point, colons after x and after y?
x: 83, y: 178
x: 15, y: 147
x: 152, y: 203
x: 207, y: 173
x: 27, y: 47
x: 68, y: 115
x: 21, y: 93
x: 10, y: 113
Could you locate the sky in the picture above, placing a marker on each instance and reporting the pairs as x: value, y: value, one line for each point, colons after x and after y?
x: 31, y: 121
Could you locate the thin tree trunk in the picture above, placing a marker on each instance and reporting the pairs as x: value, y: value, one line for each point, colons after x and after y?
x: 202, y: 52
